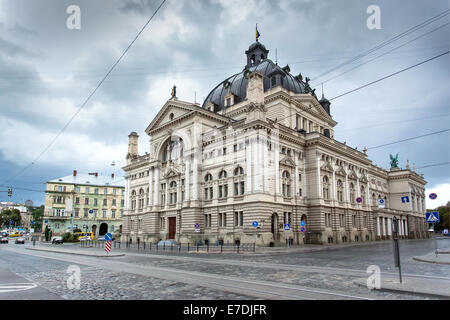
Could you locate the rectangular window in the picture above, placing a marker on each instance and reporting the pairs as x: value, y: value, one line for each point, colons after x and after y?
x: 224, y: 151
x: 220, y: 192
x: 236, y: 188
x: 87, y: 189
x: 242, y: 187
x: 114, y: 191
x: 225, y: 190
x: 105, y: 202
x: 114, y: 202
x: 211, y: 194
x: 122, y: 202
x: 95, y: 202
x: 228, y: 102
x: 105, y: 190
x: 224, y: 217
x: 206, y: 193
x: 236, y: 219
x: 86, y: 212
x: 121, y: 213
x: 96, y: 190
x: 95, y: 213
x: 86, y: 200
x: 60, y: 188
x: 235, y: 148
x: 241, y: 218
x: 219, y: 217
x: 113, y: 214
x: 77, y: 189
x: 77, y: 212
x: 104, y: 213
x: 77, y: 200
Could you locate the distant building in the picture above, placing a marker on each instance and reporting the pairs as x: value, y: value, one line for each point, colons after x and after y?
x: 95, y: 200
x: 28, y: 203
x: 25, y: 215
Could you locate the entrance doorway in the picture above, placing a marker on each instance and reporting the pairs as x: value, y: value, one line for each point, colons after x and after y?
x: 94, y: 230
x: 172, y: 227
x: 274, y: 227
x: 103, y: 229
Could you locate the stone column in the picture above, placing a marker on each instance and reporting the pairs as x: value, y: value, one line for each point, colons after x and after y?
x: 297, y: 182
x: 156, y: 188
x: 187, y: 180
x: 378, y: 226
x: 319, y: 185
x: 389, y: 227
x: 150, y: 187
x: 347, y: 190
x: 265, y: 162
x: 406, y: 227
x: 195, y: 177
x: 304, y: 184
x: 276, y: 151
x: 248, y: 161
x: 334, y: 184
x: 384, y: 225
x: 400, y: 226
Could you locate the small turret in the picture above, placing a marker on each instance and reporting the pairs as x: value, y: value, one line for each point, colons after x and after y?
x: 132, y: 146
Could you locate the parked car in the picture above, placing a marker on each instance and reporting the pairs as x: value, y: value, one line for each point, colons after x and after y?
x: 57, y: 240
x: 4, y: 240
x: 167, y: 243
x: 20, y: 240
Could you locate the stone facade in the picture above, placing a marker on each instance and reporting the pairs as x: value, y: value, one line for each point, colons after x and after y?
x: 269, y: 157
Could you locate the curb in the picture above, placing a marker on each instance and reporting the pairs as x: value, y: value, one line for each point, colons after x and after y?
x: 361, y: 283
x: 113, y: 255
x: 429, y: 261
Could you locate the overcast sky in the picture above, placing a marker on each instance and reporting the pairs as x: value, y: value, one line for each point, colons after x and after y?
x: 48, y: 70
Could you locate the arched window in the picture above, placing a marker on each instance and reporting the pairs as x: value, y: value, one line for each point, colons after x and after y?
x: 173, y: 149
x: 352, y: 192
x: 223, y: 185
x: 208, y: 177
x: 340, y: 190
x: 141, y: 198
x: 173, y: 192
x: 238, y: 171
x: 286, y: 184
x: 133, y: 200
x: 239, y: 183
x: 326, y: 188
x: 222, y: 174
x: 363, y: 196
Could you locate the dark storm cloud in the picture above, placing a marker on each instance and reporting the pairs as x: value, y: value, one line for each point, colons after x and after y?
x: 47, y: 71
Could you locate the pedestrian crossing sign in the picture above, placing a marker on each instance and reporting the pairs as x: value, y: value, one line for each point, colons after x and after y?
x: 432, y: 217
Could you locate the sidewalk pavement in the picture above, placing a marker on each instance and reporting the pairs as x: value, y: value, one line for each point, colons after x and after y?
x: 441, y: 257
x: 79, y: 252
x: 427, y: 287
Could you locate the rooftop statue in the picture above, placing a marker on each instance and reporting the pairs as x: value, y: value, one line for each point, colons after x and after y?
x: 394, y: 161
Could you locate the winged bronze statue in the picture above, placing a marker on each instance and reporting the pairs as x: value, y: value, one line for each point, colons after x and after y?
x: 394, y: 161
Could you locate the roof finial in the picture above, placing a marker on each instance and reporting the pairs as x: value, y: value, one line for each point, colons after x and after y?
x: 276, y: 56
x: 257, y: 33
x: 322, y: 91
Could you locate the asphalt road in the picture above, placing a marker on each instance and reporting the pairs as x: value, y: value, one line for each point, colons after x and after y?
x: 285, y: 275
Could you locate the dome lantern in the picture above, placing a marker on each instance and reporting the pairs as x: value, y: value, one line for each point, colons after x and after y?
x: 256, y: 53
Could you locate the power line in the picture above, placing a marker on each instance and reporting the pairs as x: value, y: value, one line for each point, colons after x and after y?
x: 385, y: 43
x: 388, y: 76
x: 425, y: 135
x: 387, y: 52
x: 89, y: 97
x: 433, y: 165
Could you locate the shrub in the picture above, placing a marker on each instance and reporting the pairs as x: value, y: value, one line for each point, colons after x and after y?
x: 67, y: 237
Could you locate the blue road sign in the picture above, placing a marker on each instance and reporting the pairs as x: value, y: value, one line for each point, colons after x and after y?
x: 359, y: 199
x: 45, y: 221
x: 197, y: 226
x: 302, y: 229
x: 255, y: 224
x: 405, y: 199
x: 432, y: 217
x: 287, y: 226
x: 433, y: 196
x: 381, y: 201
x: 91, y: 211
x: 303, y: 223
x: 108, y: 236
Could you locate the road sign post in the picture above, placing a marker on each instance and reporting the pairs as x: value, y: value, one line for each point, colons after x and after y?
x: 287, y: 227
x: 255, y: 225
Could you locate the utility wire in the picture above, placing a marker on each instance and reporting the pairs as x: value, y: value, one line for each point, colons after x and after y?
x: 425, y: 135
x: 387, y: 52
x: 392, y: 74
x: 433, y: 165
x: 385, y: 43
x: 88, y: 98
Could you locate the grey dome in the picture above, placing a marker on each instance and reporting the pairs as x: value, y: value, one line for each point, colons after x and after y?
x: 238, y: 84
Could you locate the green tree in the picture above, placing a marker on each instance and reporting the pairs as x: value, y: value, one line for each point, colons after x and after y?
x: 37, y: 214
x: 444, y: 218
x: 10, y: 214
x: 47, y: 233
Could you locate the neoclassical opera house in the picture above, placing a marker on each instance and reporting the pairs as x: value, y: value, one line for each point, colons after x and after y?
x: 261, y: 148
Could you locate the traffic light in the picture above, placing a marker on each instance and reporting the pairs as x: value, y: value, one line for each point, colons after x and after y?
x: 10, y: 192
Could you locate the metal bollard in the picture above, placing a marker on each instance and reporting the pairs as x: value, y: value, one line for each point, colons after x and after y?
x: 171, y: 247
x: 254, y: 247
x: 144, y: 245
x: 164, y: 246
x: 221, y: 248
x: 188, y: 246
x: 207, y: 247
x: 238, y: 249
x: 179, y: 248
